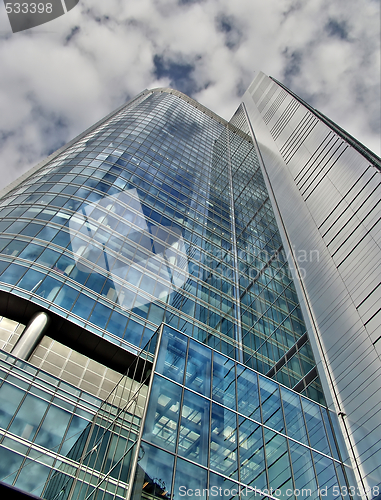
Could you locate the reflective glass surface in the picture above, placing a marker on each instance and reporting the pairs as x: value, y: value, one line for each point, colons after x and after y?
x: 160, y: 213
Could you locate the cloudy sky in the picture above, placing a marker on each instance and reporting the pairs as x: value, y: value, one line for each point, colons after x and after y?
x: 58, y: 79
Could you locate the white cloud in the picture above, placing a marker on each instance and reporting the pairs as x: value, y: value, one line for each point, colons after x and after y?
x: 51, y: 90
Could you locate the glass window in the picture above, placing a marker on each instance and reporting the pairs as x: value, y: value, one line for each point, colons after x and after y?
x: 154, y: 473
x: 31, y: 280
x: 198, y: 369
x: 189, y: 477
x: 294, y: 416
x: 48, y: 257
x: 96, y: 282
x: 31, y: 229
x: 53, y: 428
x: 83, y: 306
x: 222, y: 488
x: 277, y: 459
x: 47, y: 233
x: 100, y: 315
x: 163, y: 414
x: 77, y: 426
x: 194, y: 428
x: 28, y: 417
x: 14, y: 248
x: 171, y: 359
x: 48, y: 289
x: 31, y: 252
x: 117, y: 324
x: 32, y: 477
x: 9, y: 465
x: 223, y: 390
x: 304, y: 474
x: 61, y: 239
x: 325, y: 471
x: 316, y: 432
x: 66, y: 297
x: 10, y: 398
x: 3, y: 242
x: 12, y: 274
x: 251, y: 453
x: 16, y: 227
x: 247, y: 392
x: 223, y: 447
x: 271, y: 406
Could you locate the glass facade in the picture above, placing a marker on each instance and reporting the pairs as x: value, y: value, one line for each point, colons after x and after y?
x: 153, y: 233
x: 160, y: 214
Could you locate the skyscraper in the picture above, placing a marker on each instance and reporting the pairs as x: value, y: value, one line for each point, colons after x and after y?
x: 229, y: 270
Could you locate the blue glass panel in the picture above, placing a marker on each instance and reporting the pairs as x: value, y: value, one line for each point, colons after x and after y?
x: 96, y: 282
x: 31, y: 280
x: 294, y: 416
x: 304, y: 473
x: 48, y: 257
x: 277, y: 459
x: 83, y: 306
x: 224, y: 381
x: 12, y: 274
x: 47, y: 233
x: 326, y: 473
x: 329, y: 431
x: 3, y: 243
x: 222, y: 488
x: 16, y: 227
x: 32, y: 477
x: 247, y: 392
x: 10, y: 462
x: 48, y: 289
x: 100, y: 315
x: 271, y: 406
x: 198, y: 369
x: 133, y: 332
x: 171, y: 359
x: 190, y: 480
x: 53, y: 428
x: 31, y: 229
x: 194, y: 428
x: 76, y: 427
x: 28, y: 417
x: 163, y: 414
x: 154, y: 473
x: 66, y: 297
x: 339, y: 437
x: 61, y: 239
x: 223, y: 448
x: 251, y: 454
x: 117, y: 324
x: 316, y: 432
x: 14, y: 248
x: 31, y: 252
x: 10, y: 398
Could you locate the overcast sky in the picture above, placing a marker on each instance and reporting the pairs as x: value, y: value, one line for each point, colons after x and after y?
x: 58, y: 79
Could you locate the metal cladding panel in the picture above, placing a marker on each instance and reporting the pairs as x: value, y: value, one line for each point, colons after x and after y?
x: 328, y: 201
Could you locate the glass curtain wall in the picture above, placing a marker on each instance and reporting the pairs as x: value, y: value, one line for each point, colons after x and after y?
x: 160, y: 213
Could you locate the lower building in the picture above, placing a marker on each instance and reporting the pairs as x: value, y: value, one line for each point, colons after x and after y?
x: 170, y: 327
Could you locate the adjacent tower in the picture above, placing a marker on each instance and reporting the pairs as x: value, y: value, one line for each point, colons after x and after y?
x: 173, y: 244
